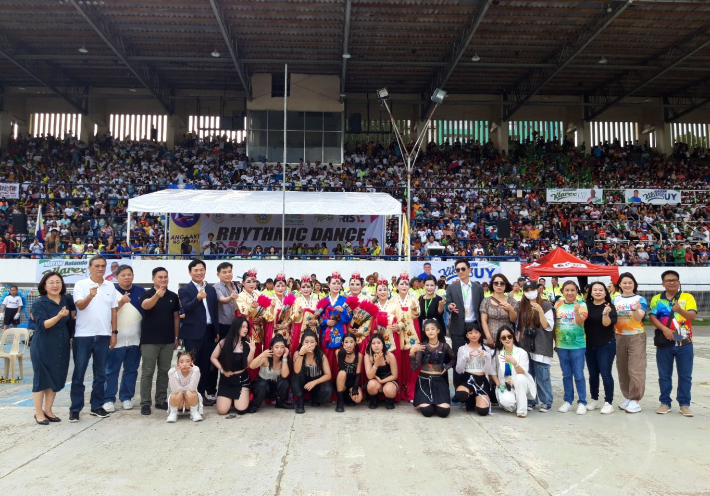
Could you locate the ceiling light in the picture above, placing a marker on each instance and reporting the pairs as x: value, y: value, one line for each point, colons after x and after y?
x: 132, y: 90
x: 608, y: 8
x: 603, y: 60
x: 21, y: 88
x: 343, y: 95
x: 475, y: 58
x: 383, y: 94
x: 346, y: 55
x: 215, y: 53
x: 646, y: 99
x: 83, y: 49
x: 438, y: 96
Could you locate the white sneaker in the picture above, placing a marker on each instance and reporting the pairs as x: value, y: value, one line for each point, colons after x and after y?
x: 127, y: 405
x: 108, y: 406
x: 581, y: 409
x: 211, y: 397
x: 607, y: 409
x: 564, y: 408
x: 625, y: 404
x: 592, y: 405
x: 195, y: 415
x: 633, y: 407
x: 172, y: 414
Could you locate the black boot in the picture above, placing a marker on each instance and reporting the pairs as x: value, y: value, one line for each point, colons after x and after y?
x: 299, y: 405
x: 389, y: 403
x: 286, y: 405
x: 340, y: 407
x: 347, y: 399
x: 373, y: 402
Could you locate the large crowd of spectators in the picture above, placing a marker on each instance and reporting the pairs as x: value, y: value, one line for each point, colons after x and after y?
x: 460, y: 194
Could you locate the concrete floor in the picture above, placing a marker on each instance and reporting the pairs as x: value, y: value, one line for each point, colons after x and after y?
x: 363, y: 452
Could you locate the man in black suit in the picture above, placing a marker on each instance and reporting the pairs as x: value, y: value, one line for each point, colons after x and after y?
x: 199, y: 329
x: 463, y: 298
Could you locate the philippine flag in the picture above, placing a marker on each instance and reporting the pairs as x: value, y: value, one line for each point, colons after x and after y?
x: 39, y: 231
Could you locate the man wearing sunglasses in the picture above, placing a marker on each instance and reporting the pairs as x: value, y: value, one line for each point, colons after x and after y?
x: 463, y: 299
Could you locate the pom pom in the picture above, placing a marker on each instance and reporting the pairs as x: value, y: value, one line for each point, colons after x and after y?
x: 322, y: 304
x: 382, y: 319
x: 263, y: 301
x: 352, y: 302
x: 289, y: 300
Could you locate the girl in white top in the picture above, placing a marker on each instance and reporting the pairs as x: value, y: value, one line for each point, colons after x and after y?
x: 474, y: 360
x: 514, y: 384
x: 183, y: 380
x: 11, y: 306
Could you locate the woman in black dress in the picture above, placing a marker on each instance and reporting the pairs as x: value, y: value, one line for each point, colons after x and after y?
x: 50, y: 346
x: 431, y: 306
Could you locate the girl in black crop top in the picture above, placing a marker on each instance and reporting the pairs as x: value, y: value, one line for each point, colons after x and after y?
x: 435, y: 359
x: 381, y: 370
x: 347, y: 381
x: 232, y: 357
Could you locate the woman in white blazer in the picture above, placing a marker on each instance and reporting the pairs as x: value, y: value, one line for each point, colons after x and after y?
x: 514, y: 384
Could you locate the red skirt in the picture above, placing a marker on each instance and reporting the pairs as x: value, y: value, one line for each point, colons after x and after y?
x: 295, y: 342
x: 331, y: 354
x: 407, y: 377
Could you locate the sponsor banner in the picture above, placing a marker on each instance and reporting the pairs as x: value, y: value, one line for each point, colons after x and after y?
x: 184, y: 226
x: 593, y: 195
x: 652, y: 196
x: 480, y: 271
x: 10, y: 190
x: 73, y: 270
x: 234, y: 231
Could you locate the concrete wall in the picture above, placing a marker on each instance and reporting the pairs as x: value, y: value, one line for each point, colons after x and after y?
x: 308, y: 93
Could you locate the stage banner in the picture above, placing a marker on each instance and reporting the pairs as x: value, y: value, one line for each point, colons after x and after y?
x: 652, y: 196
x: 480, y: 271
x: 184, y: 226
x: 593, y: 195
x: 10, y: 190
x: 73, y: 270
x: 234, y: 231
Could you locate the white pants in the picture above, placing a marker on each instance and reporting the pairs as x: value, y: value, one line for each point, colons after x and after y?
x: 515, y: 400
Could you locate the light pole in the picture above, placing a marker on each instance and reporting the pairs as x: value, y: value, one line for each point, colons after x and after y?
x: 410, y: 156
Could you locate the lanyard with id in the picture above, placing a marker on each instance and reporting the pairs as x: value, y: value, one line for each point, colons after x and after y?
x: 465, y: 292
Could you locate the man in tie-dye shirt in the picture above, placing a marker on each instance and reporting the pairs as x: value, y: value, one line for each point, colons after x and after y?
x: 672, y: 313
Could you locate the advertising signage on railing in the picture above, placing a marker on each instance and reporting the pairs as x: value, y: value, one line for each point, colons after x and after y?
x: 652, y: 196
x: 73, y: 270
x: 232, y: 232
x: 572, y: 195
x: 480, y: 271
x: 10, y: 190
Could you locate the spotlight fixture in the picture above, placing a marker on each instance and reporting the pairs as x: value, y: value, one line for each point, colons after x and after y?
x: 346, y: 55
x: 21, y: 88
x: 603, y: 60
x: 383, y: 94
x: 608, y: 8
x: 438, y: 96
x: 83, y: 49
x: 215, y: 53
x: 475, y: 58
x: 132, y: 90
x: 343, y: 95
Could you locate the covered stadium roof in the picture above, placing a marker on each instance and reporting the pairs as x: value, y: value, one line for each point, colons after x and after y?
x: 652, y: 48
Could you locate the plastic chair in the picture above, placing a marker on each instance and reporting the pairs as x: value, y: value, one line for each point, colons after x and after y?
x: 19, y: 338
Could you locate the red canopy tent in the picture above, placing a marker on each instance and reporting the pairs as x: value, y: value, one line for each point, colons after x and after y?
x: 563, y: 264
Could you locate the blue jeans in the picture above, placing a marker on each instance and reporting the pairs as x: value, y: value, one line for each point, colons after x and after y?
x: 85, y: 348
x: 572, y: 365
x: 130, y: 358
x: 541, y: 373
x: 599, y: 361
x: 683, y: 356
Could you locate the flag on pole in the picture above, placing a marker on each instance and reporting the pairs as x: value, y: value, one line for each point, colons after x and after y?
x: 39, y: 230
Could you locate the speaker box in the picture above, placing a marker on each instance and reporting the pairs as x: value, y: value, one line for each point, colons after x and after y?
x: 19, y: 224
x: 503, y: 228
x: 355, y: 123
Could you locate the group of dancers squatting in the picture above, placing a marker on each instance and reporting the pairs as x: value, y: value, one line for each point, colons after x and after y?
x: 346, y: 348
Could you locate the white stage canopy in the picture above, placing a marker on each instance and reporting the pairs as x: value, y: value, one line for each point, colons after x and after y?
x: 194, y: 201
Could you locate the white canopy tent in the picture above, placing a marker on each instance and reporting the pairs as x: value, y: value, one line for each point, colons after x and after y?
x: 194, y: 201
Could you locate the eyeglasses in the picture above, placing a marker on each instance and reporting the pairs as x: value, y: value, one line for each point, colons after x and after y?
x: 498, y: 283
x: 507, y: 337
x: 671, y: 280
x: 461, y: 269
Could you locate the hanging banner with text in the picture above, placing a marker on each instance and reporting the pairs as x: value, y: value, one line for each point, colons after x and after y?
x: 593, y: 195
x: 10, y: 190
x: 73, y: 270
x: 232, y: 232
x: 652, y: 196
x: 480, y: 271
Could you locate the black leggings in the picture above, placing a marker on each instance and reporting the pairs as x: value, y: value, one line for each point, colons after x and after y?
x: 320, y: 393
x: 430, y: 410
x: 262, y: 389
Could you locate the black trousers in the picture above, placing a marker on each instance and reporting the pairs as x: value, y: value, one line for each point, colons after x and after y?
x: 456, y: 343
x: 203, y: 349
x: 321, y: 393
x: 262, y: 389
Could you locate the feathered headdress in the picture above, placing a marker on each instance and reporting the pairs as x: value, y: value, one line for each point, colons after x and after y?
x: 251, y: 272
x: 280, y: 277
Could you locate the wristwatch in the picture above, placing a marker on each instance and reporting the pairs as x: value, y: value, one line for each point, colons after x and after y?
x: 114, y: 331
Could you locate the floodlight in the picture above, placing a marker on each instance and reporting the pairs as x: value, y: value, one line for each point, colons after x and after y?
x: 475, y: 58
x: 346, y: 55
x: 215, y: 53
x: 383, y: 94
x: 83, y: 49
x: 438, y: 96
